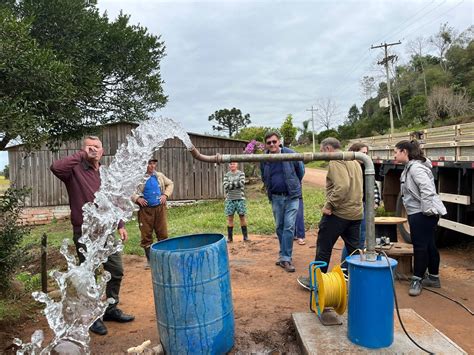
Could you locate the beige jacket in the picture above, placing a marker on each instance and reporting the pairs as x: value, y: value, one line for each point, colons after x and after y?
x: 344, y: 189
x: 166, y: 186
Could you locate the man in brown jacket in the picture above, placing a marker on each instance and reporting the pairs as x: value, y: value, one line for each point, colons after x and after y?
x: 343, y: 210
x: 151, y: 196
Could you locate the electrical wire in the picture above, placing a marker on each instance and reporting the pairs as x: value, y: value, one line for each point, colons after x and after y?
x: 396, y: 307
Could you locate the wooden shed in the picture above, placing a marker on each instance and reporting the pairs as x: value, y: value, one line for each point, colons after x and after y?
x: 193, y: 180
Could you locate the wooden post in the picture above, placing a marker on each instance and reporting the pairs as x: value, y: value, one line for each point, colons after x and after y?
x: 44, y: 270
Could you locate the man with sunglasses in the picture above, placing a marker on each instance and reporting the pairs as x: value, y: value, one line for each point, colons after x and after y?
x: 282, y: 180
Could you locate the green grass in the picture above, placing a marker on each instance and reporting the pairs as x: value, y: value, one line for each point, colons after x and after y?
x: 10, y: 309
x: 4, y: 184
x: 204, y: 217
x: 319, y: 164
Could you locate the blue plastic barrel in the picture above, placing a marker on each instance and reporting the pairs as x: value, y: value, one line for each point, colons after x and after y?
x: 370, y: 309
x: 193, y: 296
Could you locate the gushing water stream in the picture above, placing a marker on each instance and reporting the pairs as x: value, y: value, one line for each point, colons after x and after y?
x: 82, y: 293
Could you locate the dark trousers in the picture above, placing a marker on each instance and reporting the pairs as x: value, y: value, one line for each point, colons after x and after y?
x: 113, y: 265
x: 152, y: 219
x: 330, y: 228
x: 299, y: 227
x: 425, y: 253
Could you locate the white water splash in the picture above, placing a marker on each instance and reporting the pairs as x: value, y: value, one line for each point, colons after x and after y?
x: 82, y: 296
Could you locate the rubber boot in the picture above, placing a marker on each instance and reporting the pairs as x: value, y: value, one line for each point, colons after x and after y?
x: 230, y: 234
x: 147, y: 254
x: 244, y: 233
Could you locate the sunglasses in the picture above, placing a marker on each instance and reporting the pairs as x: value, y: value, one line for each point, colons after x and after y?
x: 272, y: 142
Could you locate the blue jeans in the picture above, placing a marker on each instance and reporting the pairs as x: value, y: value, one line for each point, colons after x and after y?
x: 363, y: 228
x: 299, y: 228
x: 284, y: 213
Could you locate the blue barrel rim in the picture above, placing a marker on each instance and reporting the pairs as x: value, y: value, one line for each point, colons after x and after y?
x: 171, y: 239
x: 380, y: 263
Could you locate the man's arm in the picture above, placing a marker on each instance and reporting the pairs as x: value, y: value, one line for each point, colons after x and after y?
x: 299, y: 169
x: 337, y: 174
x: 62, y: 168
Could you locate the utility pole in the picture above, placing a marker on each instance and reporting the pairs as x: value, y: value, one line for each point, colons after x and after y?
x: 385, y: 62
x: 312, y: 124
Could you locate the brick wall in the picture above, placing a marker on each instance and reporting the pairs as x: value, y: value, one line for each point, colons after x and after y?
x: 44, y: 215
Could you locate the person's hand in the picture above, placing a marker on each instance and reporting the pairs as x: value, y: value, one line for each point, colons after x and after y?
x: 163, y: 199
x: 123, y: 234
x: 93, y: 152
x: 142, y: 202
x: 326, y: 211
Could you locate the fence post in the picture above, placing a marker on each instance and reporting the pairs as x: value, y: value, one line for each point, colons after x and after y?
x: 44, y: 270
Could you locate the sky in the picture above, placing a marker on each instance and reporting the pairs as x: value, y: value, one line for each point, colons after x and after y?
x: 274, y: 58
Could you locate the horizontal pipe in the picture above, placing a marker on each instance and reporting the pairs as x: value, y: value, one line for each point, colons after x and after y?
x: 307, y: 157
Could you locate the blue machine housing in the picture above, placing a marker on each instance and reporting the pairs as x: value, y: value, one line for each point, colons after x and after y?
x: 371, y: 302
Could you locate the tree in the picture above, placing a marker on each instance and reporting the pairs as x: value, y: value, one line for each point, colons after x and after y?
x: 327, y: 111
x: 367, y: 84
x: 288, y: 131
x: 230, y: 120
x: 249, y: 133
x: 99, y: 71
x: 417, y: 49
x: 442, y: 41
x: 6, y: 172
x: 306, y: 135
x: 444, y: 103
x: 353, y: 115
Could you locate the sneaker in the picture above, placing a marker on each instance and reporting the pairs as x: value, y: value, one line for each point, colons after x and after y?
x: 415, y: 286
x: 147, y: 265
x: 301, y: 241
x: 98, y: 327
x: 431, y: 281
x: 287, y: 265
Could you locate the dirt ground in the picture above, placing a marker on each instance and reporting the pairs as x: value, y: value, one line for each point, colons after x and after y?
x: 264, y: 296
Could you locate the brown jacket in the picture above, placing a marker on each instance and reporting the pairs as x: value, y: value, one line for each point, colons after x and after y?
x: 344, y: 183
x: 166, y: 186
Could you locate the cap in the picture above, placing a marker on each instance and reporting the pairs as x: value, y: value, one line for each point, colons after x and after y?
x: 153, y: 159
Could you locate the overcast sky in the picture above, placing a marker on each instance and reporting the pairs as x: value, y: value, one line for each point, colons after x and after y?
x: 273, y: 58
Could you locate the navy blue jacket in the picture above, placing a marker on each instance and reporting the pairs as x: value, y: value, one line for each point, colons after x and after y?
x: 293, y: 171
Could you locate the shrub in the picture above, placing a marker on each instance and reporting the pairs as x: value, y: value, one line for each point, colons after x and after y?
x: 11, y: 234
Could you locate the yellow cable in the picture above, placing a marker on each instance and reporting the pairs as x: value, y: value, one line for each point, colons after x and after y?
x: 332, y: 291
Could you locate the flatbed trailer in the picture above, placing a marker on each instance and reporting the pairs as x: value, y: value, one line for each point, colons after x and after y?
x: 451, y: 151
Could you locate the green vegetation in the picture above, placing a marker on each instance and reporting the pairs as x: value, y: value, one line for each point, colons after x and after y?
x: 59, y: 69
x: 30, y: 282
x: 12, y: 253
x: 4, y: 184
x: 432, y: 89
x: 204, y: 217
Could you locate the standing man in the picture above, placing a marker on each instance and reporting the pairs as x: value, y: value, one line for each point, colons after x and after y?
x: 151, y: 195
x: 282, y: 180
x: 342, y: 213
x: 80, y: 174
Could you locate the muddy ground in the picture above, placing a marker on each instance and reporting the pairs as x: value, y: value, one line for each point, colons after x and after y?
x: 264, y: 296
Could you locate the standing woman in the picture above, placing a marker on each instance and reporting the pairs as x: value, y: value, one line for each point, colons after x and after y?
x: 424, y: 207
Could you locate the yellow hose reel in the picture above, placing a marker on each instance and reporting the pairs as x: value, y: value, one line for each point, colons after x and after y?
x: 327, y: 289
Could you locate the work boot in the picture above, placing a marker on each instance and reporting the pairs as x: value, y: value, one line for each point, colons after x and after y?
x: 98, y: 327
x: 116, y: 315
x: 431, y: 281
x: 244, y: 233
x: 415, y: 286
x: 230, y: 234
x: 147, y: 254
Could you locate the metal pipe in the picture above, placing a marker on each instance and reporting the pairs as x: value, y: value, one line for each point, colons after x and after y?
x: 307, y: 157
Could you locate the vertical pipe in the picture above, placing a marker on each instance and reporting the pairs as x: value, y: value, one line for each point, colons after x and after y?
x: 44, y: 270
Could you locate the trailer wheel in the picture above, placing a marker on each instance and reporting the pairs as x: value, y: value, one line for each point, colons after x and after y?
x: 403, y: 229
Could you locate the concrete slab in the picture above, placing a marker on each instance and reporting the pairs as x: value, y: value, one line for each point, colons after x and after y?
x: 314, y: 338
